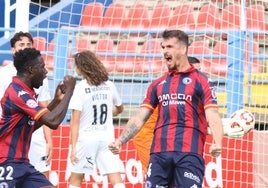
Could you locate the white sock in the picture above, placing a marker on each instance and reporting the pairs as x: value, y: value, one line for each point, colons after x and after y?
x: 119, y: 185
x: 71, y: 186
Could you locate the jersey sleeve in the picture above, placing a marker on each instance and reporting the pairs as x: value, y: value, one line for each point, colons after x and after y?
x: 209, y: 97
x: 24, y: 102
x: 117, y: 101
x: 76, y: 102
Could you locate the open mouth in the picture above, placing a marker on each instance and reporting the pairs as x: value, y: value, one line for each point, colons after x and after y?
x: 168, y: 58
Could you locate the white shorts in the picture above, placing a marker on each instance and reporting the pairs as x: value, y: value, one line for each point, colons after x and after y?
x: 95, y: 154
x: 37, y: 153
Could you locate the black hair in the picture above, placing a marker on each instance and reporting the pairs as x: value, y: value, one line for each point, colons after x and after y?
x: 193, y: 60
x: 17, y: 37
x: 25, y: 58
x: 180, y: 35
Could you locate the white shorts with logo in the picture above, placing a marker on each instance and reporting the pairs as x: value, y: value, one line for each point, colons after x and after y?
x: 37, y: 153
x: 93, y: 154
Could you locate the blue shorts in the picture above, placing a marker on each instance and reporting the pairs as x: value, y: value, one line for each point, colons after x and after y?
x: 176, y: 170
x: 22, y: 175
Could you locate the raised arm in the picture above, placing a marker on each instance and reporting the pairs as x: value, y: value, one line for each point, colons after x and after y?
x: 59, y: 105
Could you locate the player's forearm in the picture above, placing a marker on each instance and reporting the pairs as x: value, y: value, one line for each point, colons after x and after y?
x: 215, y: 124
x: 131, y: 129
x: 48, y: 135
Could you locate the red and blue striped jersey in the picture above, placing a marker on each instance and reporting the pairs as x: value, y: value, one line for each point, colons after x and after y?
x: 20, y: 110
x: 182, y: 98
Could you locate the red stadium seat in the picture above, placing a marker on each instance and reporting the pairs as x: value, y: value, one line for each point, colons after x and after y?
x: 218, y: 65
x: 103, y: 46
x: 40, y: 43
x: 92, y: 15
x: 127, y: 62
x: 160, y: 16
x: 114, y: 16
x: 256, y: 66
x: 137, y: 17
x: 49, y: 57
x: 230, y: 18
x: 256, y: 17
x: 82, y: 44
x: 201, y: 47
x: 151, y: 64
x: 182, y: 17
x: 208, y: 17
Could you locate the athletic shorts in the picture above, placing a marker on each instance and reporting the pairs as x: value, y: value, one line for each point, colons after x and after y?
x: 21, y: 175
x: 37, y: 153
x: 95, y: 154
x: 175, y: 169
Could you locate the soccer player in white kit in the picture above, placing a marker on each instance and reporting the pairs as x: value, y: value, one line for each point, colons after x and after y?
x: 94, y: 103
x: 40, y: 152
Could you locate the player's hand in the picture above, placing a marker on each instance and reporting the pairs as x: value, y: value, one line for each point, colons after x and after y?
x: 49, y: 153
x: 73, y: 157
x: 115, y: 147
x: 233, y: 132
x: 69, y: 83
x: 60, y: 91
x: 215, y: 150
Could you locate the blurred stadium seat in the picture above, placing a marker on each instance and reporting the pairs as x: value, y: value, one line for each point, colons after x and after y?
x: 208, y: 17
x: 49, y: 57
x: 40, y: 43
x: 151, y: 64
x: 252, y: 48
x: 106, y: 46
x: 92, y: 15
x: 200, y: 48
x: 219, y: 65
x: 255, y: 17
x: 82, y: 44
x: 114, y: 16
x: 160, y: 16
x: 182, y: 17
x: 137, y: 17
x: 126, y: 63
x: 230, y: 18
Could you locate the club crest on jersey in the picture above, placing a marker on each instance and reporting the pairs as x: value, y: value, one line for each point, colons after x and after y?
x: 31, y: 103
x: 186, y: 80
x: 20, y: 93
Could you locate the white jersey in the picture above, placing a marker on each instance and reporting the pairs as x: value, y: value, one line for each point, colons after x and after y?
x: 96, y: 106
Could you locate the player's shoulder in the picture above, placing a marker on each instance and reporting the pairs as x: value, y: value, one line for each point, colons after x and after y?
x: 8, y: 71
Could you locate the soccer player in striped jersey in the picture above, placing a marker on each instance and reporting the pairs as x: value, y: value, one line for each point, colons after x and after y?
x: 143, y: 140
x: 40, y: 152
x: 187, y: 105
x: 22, y: 114
x: 94, y: 103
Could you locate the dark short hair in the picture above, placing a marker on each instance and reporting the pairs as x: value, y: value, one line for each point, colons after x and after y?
x: 25, y: 58
x: 17, y: 37
x: 193, y: 60
x: 180, y: 35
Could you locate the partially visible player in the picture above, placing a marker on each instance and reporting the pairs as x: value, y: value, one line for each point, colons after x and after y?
x: 143, y: 140
x: 22, y: 114
x: 94, y: 103
x: 40, y: 152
